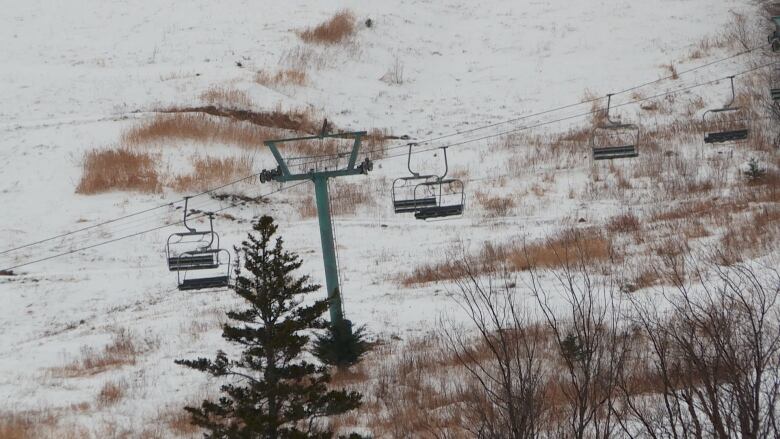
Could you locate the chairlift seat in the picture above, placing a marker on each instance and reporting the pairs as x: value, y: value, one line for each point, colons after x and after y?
x: 203, y: 283
x: 615, y: 152
x: 408, y: 206
x: 726, y: 136
x: 775, y: 94
x: 439, y: 211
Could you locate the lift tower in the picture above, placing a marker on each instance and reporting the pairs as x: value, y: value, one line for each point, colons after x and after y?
x: 319, y: 169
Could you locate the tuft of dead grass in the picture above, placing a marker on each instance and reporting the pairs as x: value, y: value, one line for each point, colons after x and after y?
x: 209, y: 172
x: 494, y: 205
x: 118, y: 169
x: 198, y: 128
x: 335, y: 30
x: 225, y: 97
x: 111, y: 393
x: 121, y: 351
x: 287, y: 77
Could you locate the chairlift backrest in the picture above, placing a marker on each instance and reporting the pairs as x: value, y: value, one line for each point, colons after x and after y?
x: 715, y: 132
x: 196, y: 251
x: 627, y: 135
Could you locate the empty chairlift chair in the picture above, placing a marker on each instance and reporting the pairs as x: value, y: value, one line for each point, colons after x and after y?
x: 724, y: 130
x: 614, y: 140
x: 448, y: 193
x: 450, y: 198
x: 196, y: 257
x: 405, y: 198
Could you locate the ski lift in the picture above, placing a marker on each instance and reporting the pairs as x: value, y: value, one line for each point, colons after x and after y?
x: 774, y: 83
x: 450, y: 198
x: 198, y: 251
x: 406, y: 199
x: 716, y: 131
x: 448, y: 194
x: 616, y: 140
x: 774, y: 37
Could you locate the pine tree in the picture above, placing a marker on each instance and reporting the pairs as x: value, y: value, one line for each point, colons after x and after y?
x: 341, y: 346
x: 271, y: 392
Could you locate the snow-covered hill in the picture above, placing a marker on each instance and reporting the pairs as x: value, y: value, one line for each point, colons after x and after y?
x: 75, y: 76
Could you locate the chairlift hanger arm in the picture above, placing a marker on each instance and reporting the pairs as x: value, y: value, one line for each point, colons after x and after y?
x: 284, y: 173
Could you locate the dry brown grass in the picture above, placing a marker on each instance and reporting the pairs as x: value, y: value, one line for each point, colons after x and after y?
x: 306, y: 207
x: 13, y: 426
x: 225, y: 97
x: 348, y: 198
x: 569, y: 247
x: 36, y: 425
x: 199, y: 128
x: 625, y: 223
x: 286, y: 77
x: 494, y: 205
x: 335, y: 30
x: 111, y: 393
x: 118, y: 169
x: 209, y: 172
x: 120, y: 352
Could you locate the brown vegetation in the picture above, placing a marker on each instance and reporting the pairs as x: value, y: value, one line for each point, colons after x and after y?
x: 111, y: 393
x: 198, y: 128
x: 335, y: 30
x: 121, y: 351
x: 118, y: 169
x: 495, y: 206
x: 282, y: 78
x: 553, y: 252
x: 210, y: 172
x: 224, y: 97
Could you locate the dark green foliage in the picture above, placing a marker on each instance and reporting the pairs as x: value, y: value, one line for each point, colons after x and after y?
x: 270, y: 391
x: 341, y: 346
x: 754, y: 171
x: 572, y: 349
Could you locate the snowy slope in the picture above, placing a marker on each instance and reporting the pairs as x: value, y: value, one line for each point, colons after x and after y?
x: 73, y: 78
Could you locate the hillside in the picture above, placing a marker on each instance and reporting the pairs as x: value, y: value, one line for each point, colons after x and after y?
x: 127, y: 83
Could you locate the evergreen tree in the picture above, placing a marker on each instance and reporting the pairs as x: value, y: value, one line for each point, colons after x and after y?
x: 271, y: 392
x: 340, y: 346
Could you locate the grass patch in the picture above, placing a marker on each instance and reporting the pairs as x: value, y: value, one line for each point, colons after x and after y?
x: 335, y: 30
x: 209, y: 172
x: 569, y: 247
x: 294, y: 77
x: 118, y: 169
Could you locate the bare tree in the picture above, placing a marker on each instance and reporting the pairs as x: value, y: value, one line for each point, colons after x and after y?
x: 583, y: 315
x: 503, y: 359
x: 715, y: 352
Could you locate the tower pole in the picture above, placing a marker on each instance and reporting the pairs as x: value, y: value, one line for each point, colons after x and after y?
x: 328, y: 249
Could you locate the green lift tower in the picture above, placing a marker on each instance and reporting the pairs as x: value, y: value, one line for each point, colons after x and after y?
x: 319, y: 174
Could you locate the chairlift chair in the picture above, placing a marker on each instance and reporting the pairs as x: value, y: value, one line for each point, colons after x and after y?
x: 774, y: 83
x: 623, y: 138
x: 447, y: 193
x: 774, y: 37
x: 714, y: 128
x: 198, y: 251
x: 405, y: 198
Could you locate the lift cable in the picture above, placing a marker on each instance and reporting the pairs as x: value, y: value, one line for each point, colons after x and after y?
x: 524, y: 128
x: 141, y: 232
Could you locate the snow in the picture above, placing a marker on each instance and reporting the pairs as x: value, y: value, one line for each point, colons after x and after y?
x: 74, y: 77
